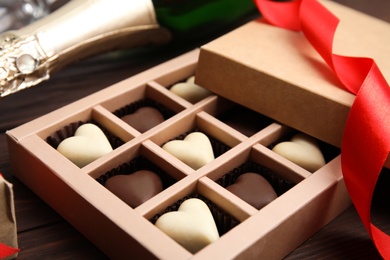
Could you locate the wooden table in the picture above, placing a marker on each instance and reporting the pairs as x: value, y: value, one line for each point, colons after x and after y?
x: 43, y: 234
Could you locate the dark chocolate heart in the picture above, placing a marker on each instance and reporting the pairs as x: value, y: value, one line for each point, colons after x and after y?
x: 245, y: 121
x: 135, y: 188
x: 144, y: 118
x: 253, y: 189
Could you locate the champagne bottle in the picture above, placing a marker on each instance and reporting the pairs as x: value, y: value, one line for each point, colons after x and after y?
x: 82, y: 28
x: 15, y: 14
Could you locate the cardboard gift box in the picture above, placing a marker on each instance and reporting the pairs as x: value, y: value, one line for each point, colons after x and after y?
x: 276, y: 72
x: 306, y: 200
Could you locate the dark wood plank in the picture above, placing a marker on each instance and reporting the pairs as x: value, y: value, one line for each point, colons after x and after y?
x: 57, y: 241
x: 344, y: 238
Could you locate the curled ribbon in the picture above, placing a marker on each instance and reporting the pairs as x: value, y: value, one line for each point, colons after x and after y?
x: 366, y: 138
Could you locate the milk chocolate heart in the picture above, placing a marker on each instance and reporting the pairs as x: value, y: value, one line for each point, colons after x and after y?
x: 136, y: 188
x: 302, y: 150
x: 192, y: 226
x: 88, y: 143
x: 144, y: 119
x: 195, y: 150
x: 253, y: 189
x: 190, y: 91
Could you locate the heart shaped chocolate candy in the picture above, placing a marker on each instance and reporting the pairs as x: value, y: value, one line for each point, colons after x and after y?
x: 253, y: 189
x: 190, y: 91
x: 88, y: 143
x: 302, y: 150
x: 195, y: 150
x: 144, y: 119
x: 192, y: 226
x: 136, y: 188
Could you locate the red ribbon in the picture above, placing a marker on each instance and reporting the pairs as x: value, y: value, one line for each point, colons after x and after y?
x: 6, y: 251
x: 366, y: 139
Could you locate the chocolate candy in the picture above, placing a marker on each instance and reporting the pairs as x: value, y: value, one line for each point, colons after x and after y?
x: 195, y: 150
x: 245, y: 120
x: 144, y: 118
x: 253, y: 189
x: 192, y: 225
x: 190, y: 91
x: 88, y: 144
x: 302, y: 150
x: 135, y: 188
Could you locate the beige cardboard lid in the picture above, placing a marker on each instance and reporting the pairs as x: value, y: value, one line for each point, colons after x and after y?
x: 278, y: 73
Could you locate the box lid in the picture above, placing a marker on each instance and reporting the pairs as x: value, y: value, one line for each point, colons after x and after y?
x: 277, y: 72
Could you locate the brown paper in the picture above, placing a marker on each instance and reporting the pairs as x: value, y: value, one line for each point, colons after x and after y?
x: 8, y: 235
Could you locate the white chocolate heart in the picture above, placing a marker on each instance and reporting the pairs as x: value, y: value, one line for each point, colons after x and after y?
x: 302, y: 150
x: 195, y: 150
x: 192, y: 226
x: 88, y: 143
x: 190, y: 91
